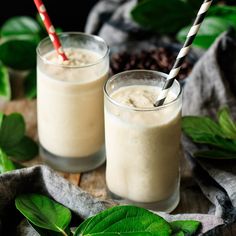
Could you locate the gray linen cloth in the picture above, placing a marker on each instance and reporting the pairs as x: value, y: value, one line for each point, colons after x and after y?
x: 43, y: 180
x: 111, y: 20
x: 211, y: 85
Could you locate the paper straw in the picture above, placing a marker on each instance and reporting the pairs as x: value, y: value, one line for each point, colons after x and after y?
x: 183, y: 52
x: 50, y: 29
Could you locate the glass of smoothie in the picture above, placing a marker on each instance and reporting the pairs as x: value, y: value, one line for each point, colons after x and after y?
x: 70, y: 102
x: 142, y: 141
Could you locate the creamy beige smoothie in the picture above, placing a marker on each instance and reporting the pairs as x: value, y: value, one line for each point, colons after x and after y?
x: 70, y: 103
x: 142, y: 144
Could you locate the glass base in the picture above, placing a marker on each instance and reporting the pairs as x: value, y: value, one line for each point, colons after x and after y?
x: 167, y: 205
x: 73, y: 165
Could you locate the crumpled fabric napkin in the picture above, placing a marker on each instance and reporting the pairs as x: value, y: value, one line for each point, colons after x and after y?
x: 211, y: 85
x: 43, y: 180
x: 111, y: 20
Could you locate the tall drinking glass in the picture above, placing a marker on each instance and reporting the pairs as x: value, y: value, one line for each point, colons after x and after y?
x: 143, y: 141
x: 70, y: 102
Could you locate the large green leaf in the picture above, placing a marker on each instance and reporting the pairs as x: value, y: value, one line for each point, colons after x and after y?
x: 185, y: 227
x: 25, y: 150
x: 30, y: 85
x: 5, y: 163
x: 215, y: 154
x: 12, y: 130
x: 217, y: 141
x: 1, y: 118
x: 210, y: 29
x: 5, y: 88
x: 227, y: 124
x: 20, y: 25
x: 163, y: 16
x: 180, y: 233
x: 18, y: 52
x: 44, y: 212
x: 195, y: 126
x: 124, y: 220
x: 225, y: 12
x: 205, y: 131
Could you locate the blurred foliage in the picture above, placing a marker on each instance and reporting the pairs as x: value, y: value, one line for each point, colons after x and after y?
x: 175, y: 17
x: 19, y: 37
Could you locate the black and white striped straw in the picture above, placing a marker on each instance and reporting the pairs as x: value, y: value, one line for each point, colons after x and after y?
x: 183, y: 52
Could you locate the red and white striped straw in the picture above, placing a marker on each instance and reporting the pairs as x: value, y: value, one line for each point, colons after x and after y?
x: 50, y: 29
x: 183, y: 52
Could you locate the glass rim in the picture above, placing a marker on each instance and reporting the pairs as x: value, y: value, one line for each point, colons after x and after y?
x: 42, y: 57
x: 164, y: 75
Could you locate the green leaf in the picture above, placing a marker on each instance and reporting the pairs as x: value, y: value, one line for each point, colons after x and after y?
x: 46, y: 232
x: 225, y: 12
x: 19, y: 52
x: 215, y: 154
x: 20, y: 25
x: 1, y: 118
x: 124, y: 220
x: 44, y: 212
x: 163, y: 16
x: 12, y: 130
x: 59, y: 30
x: 195, y: 126
x: 30, y: 85
x: 216, y: 141
x: 25, y: 150
x: 5, y: 88
x: 206, y: 131
x: 180, y: 233
x: 227, y: 124
x: 188, y: 227
x: 210, y: 29
x: 5, y: 163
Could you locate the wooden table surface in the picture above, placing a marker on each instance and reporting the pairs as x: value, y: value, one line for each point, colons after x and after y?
x: 192, y: 200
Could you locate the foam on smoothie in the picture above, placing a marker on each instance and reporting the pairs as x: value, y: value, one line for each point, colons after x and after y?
x: 77, y: 58
x: 143, y: 97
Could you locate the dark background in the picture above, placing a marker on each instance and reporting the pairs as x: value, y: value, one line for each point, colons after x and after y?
x: 70, y: 15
